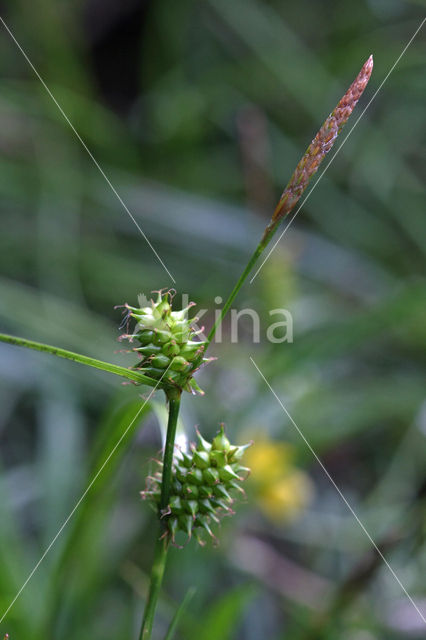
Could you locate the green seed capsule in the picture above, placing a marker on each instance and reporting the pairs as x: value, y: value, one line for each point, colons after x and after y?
x: 160, y: 361
x: 173, y: 525
x: 201, y: 459
x: 221, y: 442
x: 185, y: 524
x: 227, y: 473
x: 202, y: 444
x: 193, y: 387
x: 139, y: 316
x: 147, y: 321
x: 145, y: 337
x: 162, y: 337
x: 177, y: 486
x: 205, y: 491
x: 236, y: 453
x: 191, y: 490
x: 220, y: 491
x: 163, y: 307
x: 191, y: 507
x: 171, y: 349
x: 186, y: 459
x: 181, y: 474
x: 174, y: 376
x: 211, y: 476
x: 218, y: 458
x: 176, y: 505
x: 178, y: 316
x: 190, y: 349
x: 195, y: 476
x: 206, y: 506
x: 178, y: 363
x: 202, y: 521
x: 149, y: 349
x: 167, y: 333
x: 179, y: 323
x: 200, y: 487
x: 219, y: 504
x: 181, y: 335
x: 153, y: 372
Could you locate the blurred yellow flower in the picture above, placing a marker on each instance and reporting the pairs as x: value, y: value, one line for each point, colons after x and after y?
x: 282, y: 491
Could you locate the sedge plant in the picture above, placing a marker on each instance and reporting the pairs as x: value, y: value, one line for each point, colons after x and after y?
x: 192, y: 490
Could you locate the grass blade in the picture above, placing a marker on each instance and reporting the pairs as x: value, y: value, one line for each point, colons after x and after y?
x: 179, y: 612
x: 77, y: 357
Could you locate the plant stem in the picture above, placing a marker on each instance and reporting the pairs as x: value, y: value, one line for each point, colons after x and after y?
x: 174, y: 406
x: 269, y: 232
x: 161, y: 548
x: 306, y: 168
x: 157, y: 572
x: 77, y: 357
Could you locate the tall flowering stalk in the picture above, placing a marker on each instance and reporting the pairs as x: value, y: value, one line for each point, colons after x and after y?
x: 307, y: 167
x: 192, y: 490
x: 319, y: 147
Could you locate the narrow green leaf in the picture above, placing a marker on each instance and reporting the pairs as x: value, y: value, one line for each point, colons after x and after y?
x: 77, y: 357
x: 95, y: 511
x: 179, y: 612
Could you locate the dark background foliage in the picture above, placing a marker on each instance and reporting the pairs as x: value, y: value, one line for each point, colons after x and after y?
x: 198, y: 113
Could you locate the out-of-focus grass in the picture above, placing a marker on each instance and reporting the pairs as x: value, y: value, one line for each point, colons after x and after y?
x: 350, y: 270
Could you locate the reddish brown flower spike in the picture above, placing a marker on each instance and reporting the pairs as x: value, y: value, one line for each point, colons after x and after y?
x: 321, y: 145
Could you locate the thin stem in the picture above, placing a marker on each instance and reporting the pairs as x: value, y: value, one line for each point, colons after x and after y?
x: 174, y: 406
x: 179, y: 612
x: 269, y: 232
x: 306, y: 168
x: 162, y: 545
x: 157, y: 573
x: 77, y: 357
x: 234, y: 293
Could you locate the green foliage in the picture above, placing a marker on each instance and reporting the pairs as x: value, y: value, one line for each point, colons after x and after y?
x: 228, y: 96
x: 166, y: 348
x: 203, y: 483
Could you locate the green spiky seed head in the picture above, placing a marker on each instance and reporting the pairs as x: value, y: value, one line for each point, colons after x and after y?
x: 167, y: 343
x: 204, y: 484
x: 221, y: 442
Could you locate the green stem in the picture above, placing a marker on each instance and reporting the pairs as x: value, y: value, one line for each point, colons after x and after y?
x: 157, y: 573
x: 162, y: 545
x: 77, y: 357
x: 174, y: 406
x: 267, y: 236
x: 306, y: 168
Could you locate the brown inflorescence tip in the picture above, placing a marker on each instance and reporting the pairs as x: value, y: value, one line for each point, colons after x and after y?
x: 321, y: 145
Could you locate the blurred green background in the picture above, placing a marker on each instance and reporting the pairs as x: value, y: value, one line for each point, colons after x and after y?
x: 198, y: 112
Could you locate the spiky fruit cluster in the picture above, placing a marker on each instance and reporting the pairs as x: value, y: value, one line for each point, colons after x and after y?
x: 166, y: 347
x: 205, y: 481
